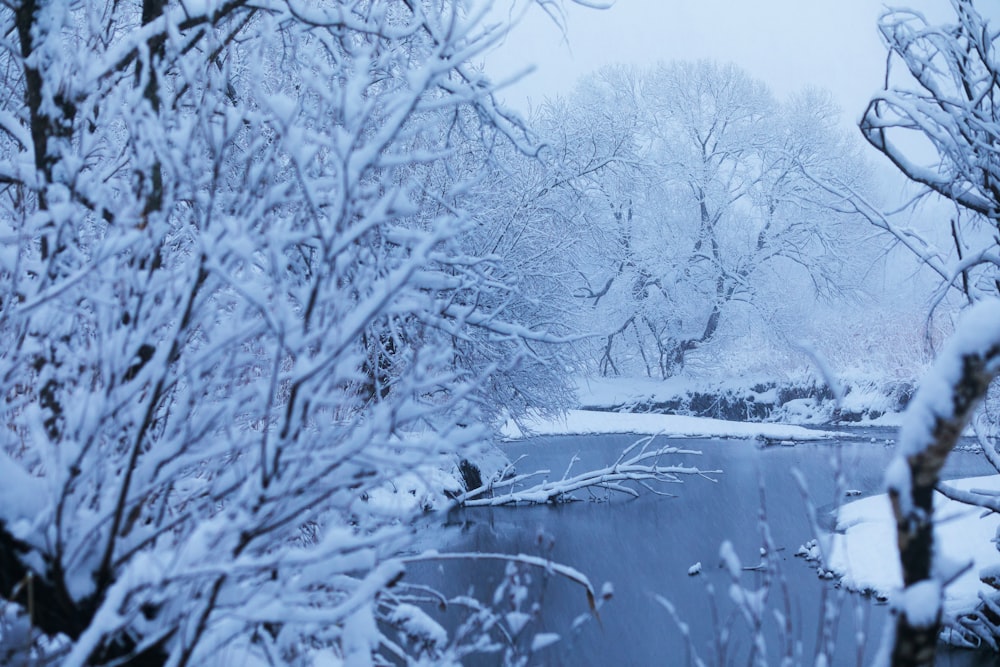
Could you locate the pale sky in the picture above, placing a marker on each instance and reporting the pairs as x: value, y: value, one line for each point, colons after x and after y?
x: 788, y: 44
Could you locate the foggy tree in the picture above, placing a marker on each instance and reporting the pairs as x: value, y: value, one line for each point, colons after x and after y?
x: 590, y: 169
x: 707, y: 123
x: 942, y: 89
x: 708, y: 209
x: 240, y: 293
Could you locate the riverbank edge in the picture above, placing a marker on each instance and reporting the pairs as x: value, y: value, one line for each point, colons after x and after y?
x: 764, y: 410
x: 804, y: 401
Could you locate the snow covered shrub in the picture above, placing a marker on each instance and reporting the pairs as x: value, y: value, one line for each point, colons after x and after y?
x: 238, y: 295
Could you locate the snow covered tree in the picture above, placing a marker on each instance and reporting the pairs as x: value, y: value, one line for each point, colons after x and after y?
x: 240, y: 294
x: 941, y: 409
x: 587, y: 177
x: 704, y: 203
x: 945, y: 97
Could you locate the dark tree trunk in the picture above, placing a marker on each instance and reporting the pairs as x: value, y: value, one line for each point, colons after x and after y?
x: 915, y: 642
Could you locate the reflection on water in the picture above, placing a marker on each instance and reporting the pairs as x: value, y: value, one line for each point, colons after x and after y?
x: 646, y: 546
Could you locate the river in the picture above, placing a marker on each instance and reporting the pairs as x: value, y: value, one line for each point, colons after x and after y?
x: 646, y: 546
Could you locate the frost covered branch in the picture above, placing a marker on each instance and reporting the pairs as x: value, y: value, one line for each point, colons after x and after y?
x: 986, y: 500
x: 569, y: 573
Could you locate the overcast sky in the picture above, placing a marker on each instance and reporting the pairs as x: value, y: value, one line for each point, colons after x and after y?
x: 788, y: 44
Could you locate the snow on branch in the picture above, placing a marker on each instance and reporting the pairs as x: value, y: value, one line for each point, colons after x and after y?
x: 643, y: 468
x: 566, y: 571
x: 938, y: 414
x: 242, y: 291
x: 949, y: 100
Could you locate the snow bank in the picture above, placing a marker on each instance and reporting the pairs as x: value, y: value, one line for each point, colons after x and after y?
x: 435, y: 484
x: 592, y: 422
x: 866, y: 558
x: 803, y: 401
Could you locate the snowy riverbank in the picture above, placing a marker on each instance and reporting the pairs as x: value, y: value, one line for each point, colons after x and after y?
x: 802, y: 401
x: 596, y: 422
x: 863, y: 551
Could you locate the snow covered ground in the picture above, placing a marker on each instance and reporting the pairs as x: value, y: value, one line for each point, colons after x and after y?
x: 865, y: 553
x: 592, y: 422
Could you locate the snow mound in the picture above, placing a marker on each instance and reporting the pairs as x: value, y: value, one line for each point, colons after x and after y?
x: 866, y: 558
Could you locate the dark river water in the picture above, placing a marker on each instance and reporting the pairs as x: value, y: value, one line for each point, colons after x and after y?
x: 645, y: 547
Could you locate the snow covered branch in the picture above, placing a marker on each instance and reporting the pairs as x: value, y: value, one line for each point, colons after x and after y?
x: 641, y: 468
x: 569, y: 573
x: 934, y: 421
x: 243, y: 288
x: 952, y: 103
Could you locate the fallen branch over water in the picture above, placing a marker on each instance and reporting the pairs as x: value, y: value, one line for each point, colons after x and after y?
x: 642, y: 468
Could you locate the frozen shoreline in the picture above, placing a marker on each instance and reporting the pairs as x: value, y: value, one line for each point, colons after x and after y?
x: 595, y: 422
x: 803, y: 401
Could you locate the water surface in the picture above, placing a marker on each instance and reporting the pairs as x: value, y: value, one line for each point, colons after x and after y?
x: 646, y: 546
